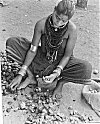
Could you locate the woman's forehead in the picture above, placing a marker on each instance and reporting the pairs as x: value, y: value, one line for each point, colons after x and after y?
x: 62, y: 16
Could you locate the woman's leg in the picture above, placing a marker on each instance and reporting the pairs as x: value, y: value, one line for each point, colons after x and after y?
x: 16, y: 49
x: 76, y: 71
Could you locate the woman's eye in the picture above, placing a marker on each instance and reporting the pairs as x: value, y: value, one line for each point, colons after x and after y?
x: 63, y: 20
x: 57, y: 17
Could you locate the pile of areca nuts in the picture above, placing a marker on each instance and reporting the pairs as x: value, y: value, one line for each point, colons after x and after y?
x: 40, y: 105
x: 43, y: 109
x: 9, y: 70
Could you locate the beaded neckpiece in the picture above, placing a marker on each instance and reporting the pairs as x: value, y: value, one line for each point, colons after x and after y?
x: 53, y: 38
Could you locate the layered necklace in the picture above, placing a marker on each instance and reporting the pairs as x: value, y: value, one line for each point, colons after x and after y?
x: 53, y: 38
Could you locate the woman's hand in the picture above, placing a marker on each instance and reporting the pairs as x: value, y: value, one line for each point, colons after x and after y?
x: 50, y: 78
x: 15, y: 82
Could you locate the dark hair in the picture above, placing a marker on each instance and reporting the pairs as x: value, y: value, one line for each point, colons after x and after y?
x: 65, y: 7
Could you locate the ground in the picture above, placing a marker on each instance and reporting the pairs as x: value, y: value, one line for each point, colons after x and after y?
x: 18, y: 19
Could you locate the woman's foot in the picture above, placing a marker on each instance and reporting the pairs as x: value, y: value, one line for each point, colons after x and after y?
x: 29, y: 80
x: 57, y: 93
x: 26, y: 83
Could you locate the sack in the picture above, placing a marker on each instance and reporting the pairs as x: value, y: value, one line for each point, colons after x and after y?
x: 92, y: 95
x: 82, y: 3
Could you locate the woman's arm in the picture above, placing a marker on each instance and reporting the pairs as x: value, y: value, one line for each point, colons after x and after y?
x: 35, y: 42
x: 29, y: 57
x: 33, y: 49
x: 72, y: 37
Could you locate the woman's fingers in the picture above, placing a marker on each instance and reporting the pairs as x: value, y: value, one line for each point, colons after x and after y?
x: 15, y: 87
x: 50, y: 78
x: 13, y: 84
x: 47, y: 80
x: 47, y: 77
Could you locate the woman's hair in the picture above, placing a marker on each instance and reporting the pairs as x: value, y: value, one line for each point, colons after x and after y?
x: 66, y: 7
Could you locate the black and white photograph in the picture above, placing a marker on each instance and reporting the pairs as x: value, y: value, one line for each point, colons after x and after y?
x: 49, y: 62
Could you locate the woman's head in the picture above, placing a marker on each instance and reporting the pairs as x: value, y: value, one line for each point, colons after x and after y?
x: 65, y: 7
x: 63, y: 11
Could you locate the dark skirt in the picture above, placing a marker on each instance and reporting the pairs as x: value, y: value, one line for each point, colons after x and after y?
x: 76, y: 71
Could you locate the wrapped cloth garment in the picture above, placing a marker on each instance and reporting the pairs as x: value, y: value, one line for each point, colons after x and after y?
x: 77, y: 71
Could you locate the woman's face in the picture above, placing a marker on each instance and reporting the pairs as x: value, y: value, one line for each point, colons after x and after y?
x: 59, y: 20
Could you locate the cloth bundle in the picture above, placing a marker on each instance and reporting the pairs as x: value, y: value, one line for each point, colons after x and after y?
x: 92, y: 96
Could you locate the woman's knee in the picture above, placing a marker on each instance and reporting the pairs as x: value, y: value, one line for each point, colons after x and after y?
x: 86, y: 66
x: 10, y: 41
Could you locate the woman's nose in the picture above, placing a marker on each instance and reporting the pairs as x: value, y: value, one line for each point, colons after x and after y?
x: 59, y: 22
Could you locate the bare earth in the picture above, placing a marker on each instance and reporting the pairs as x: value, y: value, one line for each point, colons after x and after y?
x: 18, y: 19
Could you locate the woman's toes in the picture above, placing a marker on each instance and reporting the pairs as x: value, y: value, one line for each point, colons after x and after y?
x: 26, y: 83
x: 57, y: 94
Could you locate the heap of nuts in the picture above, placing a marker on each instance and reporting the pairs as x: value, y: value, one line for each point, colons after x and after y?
x: 9, y: 70
x: 43, y: 109
x: 94, y: 90
x: 77, y: 118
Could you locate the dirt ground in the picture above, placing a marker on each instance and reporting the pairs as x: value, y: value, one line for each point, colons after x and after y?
x: 18, y: 19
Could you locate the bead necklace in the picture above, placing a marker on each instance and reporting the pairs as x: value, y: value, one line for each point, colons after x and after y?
x: 53, y: 38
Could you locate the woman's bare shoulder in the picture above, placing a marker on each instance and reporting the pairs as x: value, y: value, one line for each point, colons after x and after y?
x: 41, y: 23
x: 71, y: 26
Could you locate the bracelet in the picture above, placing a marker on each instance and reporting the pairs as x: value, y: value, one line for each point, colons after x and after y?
x: 59, y: 66
x: 57, y: 71
x: 24, y: 67
x: 33, y: 48
x: 22, y: 72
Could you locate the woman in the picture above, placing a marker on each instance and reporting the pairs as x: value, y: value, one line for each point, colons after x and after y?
x: 54, y: 58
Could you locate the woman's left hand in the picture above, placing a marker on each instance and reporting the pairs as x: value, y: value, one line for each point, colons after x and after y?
x: 50, y: 78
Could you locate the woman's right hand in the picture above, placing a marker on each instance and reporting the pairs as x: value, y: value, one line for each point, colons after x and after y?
x: 15, y: 82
